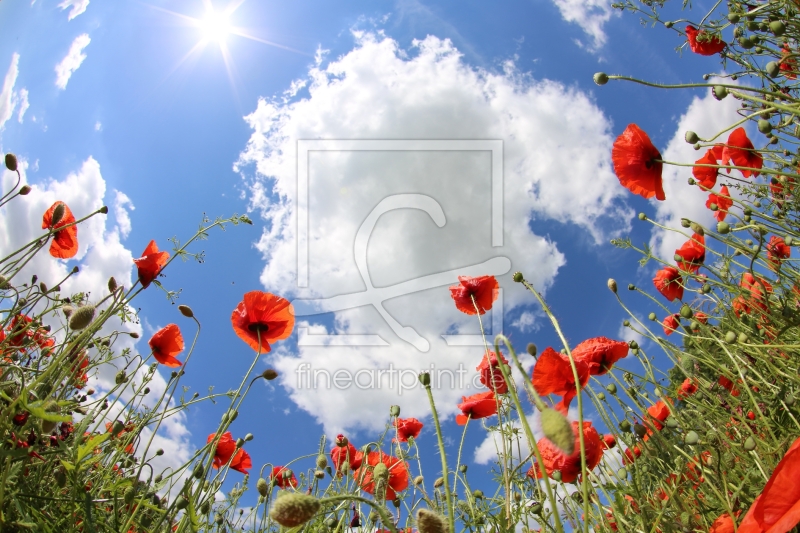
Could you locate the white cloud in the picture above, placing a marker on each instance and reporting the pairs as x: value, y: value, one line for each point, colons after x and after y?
x: 21, y: 97
x: 78, y: 7
x: 7, y: 101
x: 590, y: 15
x: 98, y: 126
x: 121, y: 206
x: 556, y: 166
x: 705, y: 116
x: 72, y: 60
x: 526, y: 322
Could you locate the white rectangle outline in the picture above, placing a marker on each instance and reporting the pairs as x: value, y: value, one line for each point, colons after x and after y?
x: 304, y: 146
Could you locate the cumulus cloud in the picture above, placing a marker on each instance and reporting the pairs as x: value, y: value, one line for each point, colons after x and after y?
x: 7, y: 101
x: 72, y: 60
x: 121, y: 206
x: 555, y: 166
x: 78, y: 7
x: 706, y: 116
x: 590, y: 15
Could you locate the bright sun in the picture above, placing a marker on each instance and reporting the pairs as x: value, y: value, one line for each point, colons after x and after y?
x: 215, y: 26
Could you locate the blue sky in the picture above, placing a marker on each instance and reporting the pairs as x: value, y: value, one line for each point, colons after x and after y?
x: 132, y: 105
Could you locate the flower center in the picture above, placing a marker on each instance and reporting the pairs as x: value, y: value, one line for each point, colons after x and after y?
x: 258, y: 327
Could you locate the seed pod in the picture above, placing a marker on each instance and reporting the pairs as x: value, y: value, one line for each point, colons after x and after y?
x: 719, y: 92
x: 764, y: 126
x: 723, y: 228
x: 612, y: 285
x: 262, y: 486
x: 322, y: 461
x: 181, y: 503
x: 394, y: 410
x: 730, y: 337
x: 742, y: 337
x: 601, y: 78
x: 186, y: 311
x: 773, y: 69
x: 269, y: 374
x: 612, y: 388
x: 82, y: 317
x: 531, y: 349
x: 691, y: 137
x: 750, y: 444
x: 686, y: 311
x: 294, y: 509
x: 625, y: 425
x: 536, y: 508
x: 11, y: 162
x: 777, y: 28
x: 558, y: 430
x: 556, y: 475
x: 691, y: 438
x: 430, y: 522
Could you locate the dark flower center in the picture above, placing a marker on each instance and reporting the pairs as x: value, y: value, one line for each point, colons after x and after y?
x: 258, y: 327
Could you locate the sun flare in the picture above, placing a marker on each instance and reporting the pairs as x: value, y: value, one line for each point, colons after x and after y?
x: 215, y: 26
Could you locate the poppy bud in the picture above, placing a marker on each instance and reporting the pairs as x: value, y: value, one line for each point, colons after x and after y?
x: 186, y: 311
x: 198, y: 471
x: 634, y: 345
x: 719, y: 92
x: 129, y: 495
x: 394, y: 410
x: 788, y: 240
x: 341, y: 441
x: 232, y: 414
x: 322, y: 461
x: 730, y: 337
x: 750, y: 444
x: 773, y: 69
x: 58, y: 213
x: 134, y: 335
x: 11, y: 162
x: 669, y: 24
x: 103, y: 210
x: 622, y: 473
x: 518, y: 277
x: 82, y: 317
x: 430, y: 522
x: 612, y: 285
x: 438, y: 483
x: 556, y: 475
x: 642, y: 216
x: 205, y: 507
x: 67, y: 310
x: 61, y: 478
x: 697, y: 228
x: 742, y: 338
x: 120, y: 377
x: 117, y: 428
x: 612, y: 388
x: 625, y: 425
x: 425, y: 379
x: 294, y: 509
x: 789, y: 400
x: 600, y: 78
x: 723, y: 228
x: 181, y: 503
x: 686, y: 311
x: 262, y: 486
x: 764, y: 126
x: 269, y: 374
x: 691, y: 137
x: 640, y: 430
x: 159, y: 451
x: 601, y: 396
x: 239, y: 442
x: 691, y: 438
x: 631, y: 287
x: 777, y: 28
x: 558, y: 430
x: 733, y: 17
x: 25, y: 190
x: 112, y: 284
x: 418, y: 480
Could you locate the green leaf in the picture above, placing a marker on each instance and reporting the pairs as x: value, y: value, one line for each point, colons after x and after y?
x: 39, y: 412
x: 90, y: 445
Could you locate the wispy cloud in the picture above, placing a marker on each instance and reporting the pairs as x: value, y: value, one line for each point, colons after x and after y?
x: 78, y: 7
x: 72, y: 61
x: 7, y: 101
x: 590, y: 15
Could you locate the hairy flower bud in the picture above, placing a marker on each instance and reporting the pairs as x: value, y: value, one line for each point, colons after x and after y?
x: 418, y: 480
x: 430, y: 522
x: 11, y: 162
x: 691, y: 137
x: 269, y: 374
x: 425, y: 379
x: 558, y: 430
x: 394, y: 410
x: 438, y: 483
x: 262, y: 486
x: 294, y: 509
x: 58, y: 213
x: 112, y: 284
x: 322, y: 461
x: 719, y: 92
x: 82, y: 317
x: 612, y: 285
x: 600, y: 78
x: 24, y: 190
x: 186, y: 311
x: 518, y: 277
x: 531, y: 349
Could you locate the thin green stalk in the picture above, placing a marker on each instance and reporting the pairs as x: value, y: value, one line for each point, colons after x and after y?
x: 445, y: 472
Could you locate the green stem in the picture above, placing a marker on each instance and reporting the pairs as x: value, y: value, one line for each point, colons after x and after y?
x: 445, y: 472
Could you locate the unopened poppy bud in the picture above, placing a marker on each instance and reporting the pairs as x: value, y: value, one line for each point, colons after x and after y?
x: 558, y: 430
x: 25, y: 190
x: 58, y: 213
x: 322, y: 461
x: 462, y: 469
x: 518, y: 277
x: 394, y: 410
x: 418, y: 480
x: 691, y: 137
x: 11, y: 162
x: 159, y: 452
x: 691, y: 438
x: 430, y: 522
x: 719, y: 92
x: 556, y: 475
x: 341, y: 441
x: 198, y: 471
x: 205, y: 507
x: 730, y: 337
x: 269, y: 374
x: 764, y: 126
x: 777, y: 28
x: 239, y: 442
x: 181, y: 503
x: 612, y: 388
x: 82, y: 317
x: 112, y: 284
x: 642, y: 216
x: 634, y: 345
x: 640, y: 430
x: 380, y: 472
x: 631, y: 287
x: 103, y: 210
x: 262, y: 486
x: 438, y: 483
x: 625, y: 425
x: 531, y: 349
x: 723, y: 228
x: 287, y: 473
x: 186, y: 311
x: 600, y: 78
x: 686, y: 311
x: 294, y: 509
x: 248, y: 437
x: 601, y: 396
x: 742, y: 338
x: 750, y: 444
x: 425, y: 379
x: 61, y: 478
x: 121, y: 377
x: 232, y: 414
x: 612, y: 285
x: 67, y: 310
x: 117, y: 428
x: 4, y: 283
x: 129, y: 495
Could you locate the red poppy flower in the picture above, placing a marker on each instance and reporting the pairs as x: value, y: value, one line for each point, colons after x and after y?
x: 552, y: 374
x: 668, y: 281
x: 23, y: 336
x: 347, y: 454
x: 570, y: 465
x: 483, y: 288
x: 65, y: 242
x: 226, y: 451
x: 740, y: 151
x: 788, y: 64
x: 264, y: 315
x: 723, y: 202
x: 150, y: 264
x: 777, y: 508
x: 759, y: 289
x: 777, y: 250
x: 166, y: 344
x: 688, y: 387
x: 658, y: 412
x: 692, y: 253
x: 702, y: 43
x: 609, y: 440
x: 637, y: 163
x: 723, y: 524
x: 631, y: 454
x: 491, y: 375
x: 600, y: 354
x: 398, y: 474
x: 283, y: 477
x: 670, y: 324
x: 407, y: 427
x: 728, y: 384
x: 706, y: 176
x: 481, y: 405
